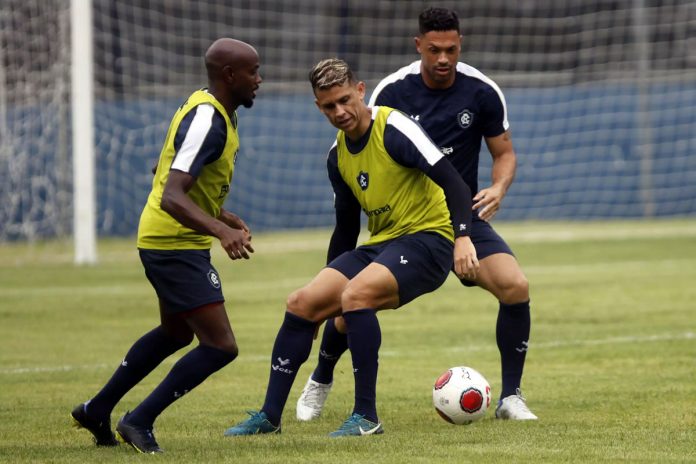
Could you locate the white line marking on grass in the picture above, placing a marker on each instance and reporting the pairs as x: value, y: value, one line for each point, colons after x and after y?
x: 583, y: 232
x: 596, y: 342
x: 394, y: 353
x: 38, y: 370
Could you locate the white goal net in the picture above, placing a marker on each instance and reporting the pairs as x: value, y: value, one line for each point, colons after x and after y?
x: 601, y: 97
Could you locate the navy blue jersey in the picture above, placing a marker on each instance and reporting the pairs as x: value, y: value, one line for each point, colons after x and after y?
x: 456, y: 119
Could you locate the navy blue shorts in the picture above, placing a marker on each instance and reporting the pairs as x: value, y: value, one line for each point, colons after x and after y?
x: 420, y: 262
x: 183, y: 279
x: 486, y: 241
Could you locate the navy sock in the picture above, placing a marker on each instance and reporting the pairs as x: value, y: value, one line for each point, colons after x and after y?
x: 512, y: 335
x: 291, y: 348
x: 364, y: 340
x: 192, y: 369
x: 145, y: 354
x: 333, y: 345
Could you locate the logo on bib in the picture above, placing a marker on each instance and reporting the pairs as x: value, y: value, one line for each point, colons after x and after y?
x: 363, y: 180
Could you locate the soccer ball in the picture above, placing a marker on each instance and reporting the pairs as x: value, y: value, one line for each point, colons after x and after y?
x: 461, y: 395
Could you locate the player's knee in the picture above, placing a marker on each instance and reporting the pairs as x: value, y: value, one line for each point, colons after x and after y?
x: 180, y: 335
x: 356, y: 297
x: 522, y: 288
x: 517, y: 290
x: 297, y: 302
x: 229, y: 346
x: 218, y: 356
x: 301, y: 304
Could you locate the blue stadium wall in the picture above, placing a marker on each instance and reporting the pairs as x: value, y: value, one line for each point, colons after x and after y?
x: 579, y: 152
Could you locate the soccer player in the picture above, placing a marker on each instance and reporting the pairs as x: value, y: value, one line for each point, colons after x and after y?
x: 419, y: 213
x: 182, y: 214
x: 457, y: 106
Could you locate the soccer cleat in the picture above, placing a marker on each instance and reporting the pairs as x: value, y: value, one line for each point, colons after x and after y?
x: 256, y: 424
x: 356, y: 425
x: 101, y: 431
x: 140, y: 438
x: 514, y: 407
x: 311, y: 401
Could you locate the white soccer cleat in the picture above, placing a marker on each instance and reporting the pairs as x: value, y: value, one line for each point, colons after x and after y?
x: 312, y: 399
x: 514, y: 407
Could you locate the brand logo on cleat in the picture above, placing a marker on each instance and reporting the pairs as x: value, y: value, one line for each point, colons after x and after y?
x: 368, y: 432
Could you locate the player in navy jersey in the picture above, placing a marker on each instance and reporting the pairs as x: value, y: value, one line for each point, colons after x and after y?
x: 458, y: 106
x: 182, y: 214
x: 419, y: 212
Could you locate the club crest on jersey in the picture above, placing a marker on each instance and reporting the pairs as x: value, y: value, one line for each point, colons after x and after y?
x: 363, y: 180
x: 465, y: 118
x: 224, y: 190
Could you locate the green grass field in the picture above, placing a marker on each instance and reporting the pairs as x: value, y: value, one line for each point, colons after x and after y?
x: 611, y: 370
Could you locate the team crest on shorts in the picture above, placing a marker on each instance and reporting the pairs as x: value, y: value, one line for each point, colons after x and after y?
x: 363, y: 180
x: 465, y: 118
x: 213, y: 278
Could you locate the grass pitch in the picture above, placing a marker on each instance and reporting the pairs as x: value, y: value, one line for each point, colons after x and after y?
x: 610, y: 371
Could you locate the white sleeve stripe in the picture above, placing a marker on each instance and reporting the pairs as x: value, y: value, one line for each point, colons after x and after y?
x: 197, y: 132
x: 475, y: 73
x: 416, y: 135
x: 413, y: 68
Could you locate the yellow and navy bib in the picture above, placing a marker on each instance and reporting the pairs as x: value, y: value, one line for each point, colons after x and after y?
x: 198, y: 121
x: 397, y: 200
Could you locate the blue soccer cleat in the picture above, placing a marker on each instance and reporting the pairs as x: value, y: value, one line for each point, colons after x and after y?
x: 256, y: 424
x: 356, y: 425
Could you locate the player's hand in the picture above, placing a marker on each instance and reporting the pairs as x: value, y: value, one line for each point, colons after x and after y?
x: 234, y: 221
x: 487, y: 201
x: 237, y: 243
x: 466, y: 263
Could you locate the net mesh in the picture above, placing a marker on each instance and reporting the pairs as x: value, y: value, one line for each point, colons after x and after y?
x: 601, y: 98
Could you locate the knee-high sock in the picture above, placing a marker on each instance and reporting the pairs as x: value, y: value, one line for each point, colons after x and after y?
x: 291, y: 348
x: 512, y: 335
x: 145, y: 354
x: 364, y: 340
x: 333, y: 345
x: 192, y: 369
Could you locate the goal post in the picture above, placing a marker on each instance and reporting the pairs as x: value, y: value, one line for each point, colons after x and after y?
x: 82, y: 102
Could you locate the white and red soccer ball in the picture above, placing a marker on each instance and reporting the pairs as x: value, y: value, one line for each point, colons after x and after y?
x: 461, y: 395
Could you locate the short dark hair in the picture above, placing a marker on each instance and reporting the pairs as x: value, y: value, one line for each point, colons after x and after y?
x: 438, y: 19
